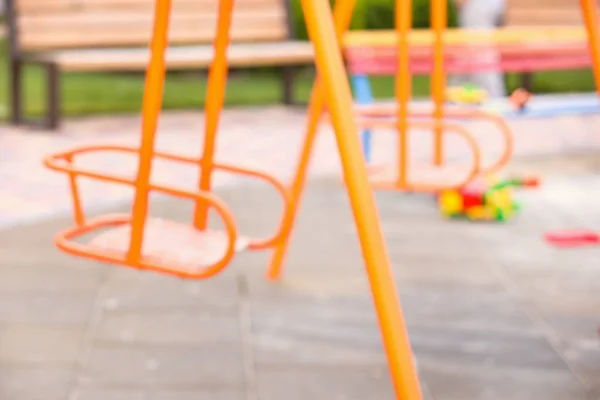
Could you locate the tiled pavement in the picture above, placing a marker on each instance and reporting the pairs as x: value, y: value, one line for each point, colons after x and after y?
x: 493, y: 312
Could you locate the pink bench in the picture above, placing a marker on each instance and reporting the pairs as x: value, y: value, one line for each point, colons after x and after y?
x: 465, y: 59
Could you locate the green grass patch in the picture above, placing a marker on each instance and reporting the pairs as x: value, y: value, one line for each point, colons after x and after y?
x: 103, y: 93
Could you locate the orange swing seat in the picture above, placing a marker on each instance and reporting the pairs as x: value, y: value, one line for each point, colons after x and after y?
x: 138, y: 241
x: 162, y: 246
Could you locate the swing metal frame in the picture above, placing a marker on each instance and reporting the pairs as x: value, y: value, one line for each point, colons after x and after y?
x: 332, y: 90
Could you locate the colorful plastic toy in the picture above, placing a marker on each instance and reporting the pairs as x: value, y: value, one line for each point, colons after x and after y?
x: 466, y: 94
x: 519, y: 99
x: 472, y: 95
x: 484, y: 199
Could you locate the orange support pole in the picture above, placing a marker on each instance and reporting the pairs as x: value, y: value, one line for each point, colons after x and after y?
x: 439, y: 16
x: 589, y: 9
x: 215, y: 98
x: 403, y: 85
x: 330, y: 67
x: 342, y: 17
x: 152, y: 104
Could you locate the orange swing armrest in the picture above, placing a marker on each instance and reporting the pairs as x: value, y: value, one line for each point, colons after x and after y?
x: 62, y: 162
x: 470, y: 173
x: 171, y: 258
x: 389, y: 111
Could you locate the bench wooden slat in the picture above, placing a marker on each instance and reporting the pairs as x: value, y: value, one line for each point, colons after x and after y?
x: 544, y: 17
x: 112, y: 18
x: 543, y: 13
x: 538, y: 4
x: 132, y: 37
x: 182, y: 58
x: 118, y: 23
x: 129, y: 29
x: 27, y: 7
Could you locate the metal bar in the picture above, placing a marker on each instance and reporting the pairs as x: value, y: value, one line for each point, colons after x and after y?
x: 342, y: 18
x: 16, y: 91
x: 288, y: 73
x: 589, y: 8
x: 53, y: 99
x: 338, y: 97
x: 152, y: 103
x: 16, y: 113
x: 403, y: 87
x: 13, y: 32
x: 215, y: 98
x: 439, y: 17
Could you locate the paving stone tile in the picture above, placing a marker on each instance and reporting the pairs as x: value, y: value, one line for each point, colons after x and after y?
x: 543, y: 256
x: 559, y: 282
x: 438, y: 268
x: 405, y: 241
x: 497, y: 384
x: 34, y: 383
x: 577, y: 304
x: 122, y: 394
x: 176, y: 327
x: 574, y: 328
x: 43, y: 278
x: 464, y: 307
x: 146, y: 291
x: 324, y: 383
x: 508, y: 350
x: 584, y: 356
x: 18, y: 255
x: 64, y: 308
x: 309, y: 288
x: 201, y: 366
x: 44, y: 345
x: 341, y: 260
x: 318, y: 335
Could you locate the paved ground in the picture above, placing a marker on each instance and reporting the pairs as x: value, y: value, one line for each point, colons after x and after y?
x: 492, y: 311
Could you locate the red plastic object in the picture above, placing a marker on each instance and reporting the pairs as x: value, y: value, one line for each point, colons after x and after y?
x: 573, y: 238
x: 530, y: 182
x: 472, y: 199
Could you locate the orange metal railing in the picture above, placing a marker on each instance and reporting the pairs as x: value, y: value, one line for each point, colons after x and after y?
x: 374, y: 113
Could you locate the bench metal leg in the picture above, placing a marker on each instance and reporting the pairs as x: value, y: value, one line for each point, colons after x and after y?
x: 53, y: 99
x: 16, y: 92
x: 52, y: 118
x: 288, y: 77
x: 527, y: 81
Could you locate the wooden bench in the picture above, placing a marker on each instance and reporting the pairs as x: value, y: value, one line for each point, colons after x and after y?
x: 543, y: 13
x: 538, y: 13
x: 113, y: 35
